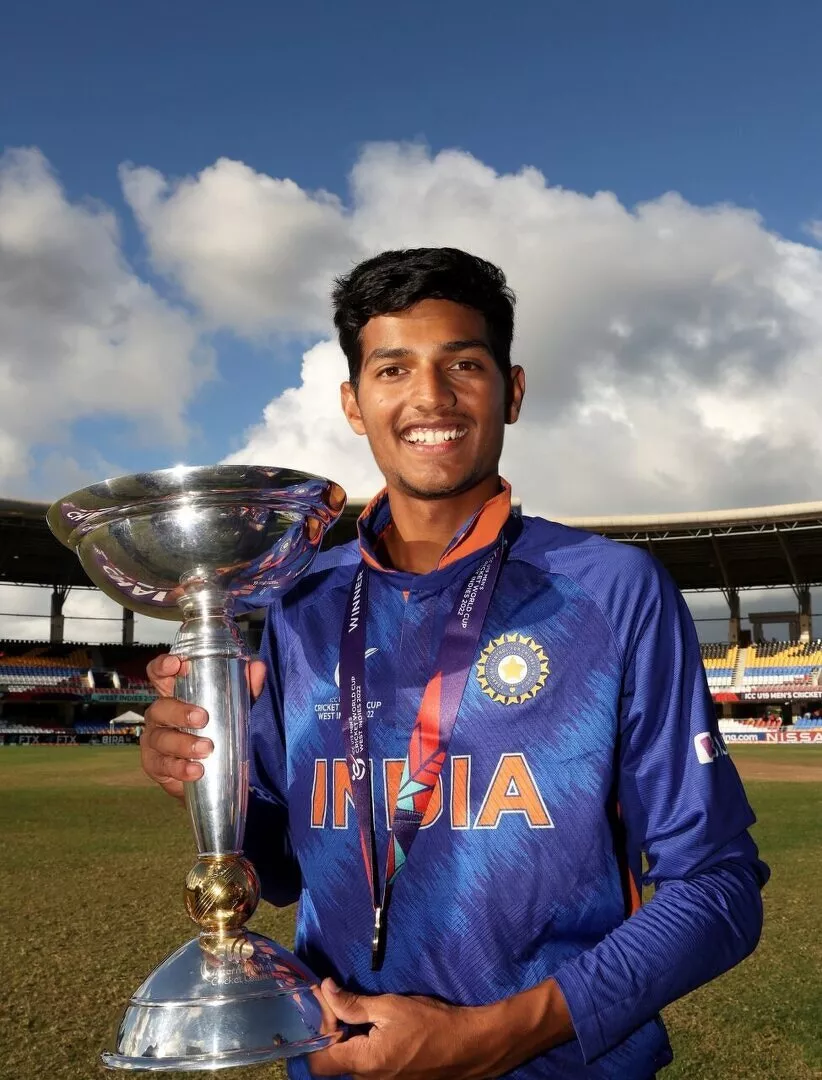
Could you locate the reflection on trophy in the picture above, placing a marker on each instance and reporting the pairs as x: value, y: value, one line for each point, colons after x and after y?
x: 187, y: 543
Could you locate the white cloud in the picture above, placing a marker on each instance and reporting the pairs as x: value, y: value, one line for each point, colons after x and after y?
x: 90, y: 616
x: 311, y: 432
x: 93, y: 616
x: 254, y: 253
x: 24, y: 613
x: 80, y: 334
x: 814, y: 229
x: 672, y: 351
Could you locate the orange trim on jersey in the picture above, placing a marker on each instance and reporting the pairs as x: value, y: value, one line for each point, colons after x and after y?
x: 369, y: 560
x: 633, y: 891
x: 630, y: 889
x: 369, y: 510
x: 482, y: 531
x: 366, y: 556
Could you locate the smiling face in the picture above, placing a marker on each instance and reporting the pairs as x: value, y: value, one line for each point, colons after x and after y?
x: 431, y: 399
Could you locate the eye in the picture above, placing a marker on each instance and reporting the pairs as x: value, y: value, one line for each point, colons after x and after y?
x: 467, y: 365
x: 389, y: 372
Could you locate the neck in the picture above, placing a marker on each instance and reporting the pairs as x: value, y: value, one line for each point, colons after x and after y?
x: 423, y: 528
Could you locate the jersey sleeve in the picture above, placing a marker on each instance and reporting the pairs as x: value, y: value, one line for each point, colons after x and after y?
x: 267, y: 841
x: 684, y: 807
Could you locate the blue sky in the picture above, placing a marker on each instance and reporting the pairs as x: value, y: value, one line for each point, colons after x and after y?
x: 717, y: 101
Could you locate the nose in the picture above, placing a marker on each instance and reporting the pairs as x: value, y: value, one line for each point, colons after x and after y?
x: 432, y: 389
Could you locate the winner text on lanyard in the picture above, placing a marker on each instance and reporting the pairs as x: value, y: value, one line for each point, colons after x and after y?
x: 431, y: 733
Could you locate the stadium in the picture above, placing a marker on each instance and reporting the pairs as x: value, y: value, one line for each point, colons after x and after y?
x: 765, y: 690
x: 82, y: 824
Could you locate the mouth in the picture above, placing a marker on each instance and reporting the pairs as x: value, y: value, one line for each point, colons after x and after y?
x: 425, y: 435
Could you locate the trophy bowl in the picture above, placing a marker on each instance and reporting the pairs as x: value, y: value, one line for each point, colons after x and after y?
x: 194, y: 544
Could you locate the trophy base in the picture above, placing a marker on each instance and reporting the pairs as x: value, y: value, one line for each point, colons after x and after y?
x: 241, y: 1000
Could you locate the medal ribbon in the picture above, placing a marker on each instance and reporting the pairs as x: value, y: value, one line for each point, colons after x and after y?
x: 430, y: 736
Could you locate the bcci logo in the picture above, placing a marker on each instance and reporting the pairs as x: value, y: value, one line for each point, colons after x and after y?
x: 512, y: 668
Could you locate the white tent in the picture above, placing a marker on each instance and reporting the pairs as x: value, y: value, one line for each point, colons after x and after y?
x: 129, y: 717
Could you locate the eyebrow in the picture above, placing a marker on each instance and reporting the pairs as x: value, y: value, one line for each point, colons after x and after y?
x: 388, y: 354
x: 464, y: 344
x: 399, y: 353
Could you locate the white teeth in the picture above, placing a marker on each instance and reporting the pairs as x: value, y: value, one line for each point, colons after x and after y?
x: 433, y: 435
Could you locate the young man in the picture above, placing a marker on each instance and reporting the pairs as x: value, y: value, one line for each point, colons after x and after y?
x: 538, y: 717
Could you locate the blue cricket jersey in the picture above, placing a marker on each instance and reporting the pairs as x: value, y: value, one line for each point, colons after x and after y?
x: 586, y: 737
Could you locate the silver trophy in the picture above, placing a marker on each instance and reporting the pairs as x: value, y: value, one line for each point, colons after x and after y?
x: 193, y: 544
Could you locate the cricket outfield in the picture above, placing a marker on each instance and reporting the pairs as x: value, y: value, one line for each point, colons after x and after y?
x: 93, y: 860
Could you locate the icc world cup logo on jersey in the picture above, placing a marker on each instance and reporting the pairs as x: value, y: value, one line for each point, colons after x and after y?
x: 512, y: 669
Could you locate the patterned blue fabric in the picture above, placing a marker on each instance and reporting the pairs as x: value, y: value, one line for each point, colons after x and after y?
x: 586, y: 736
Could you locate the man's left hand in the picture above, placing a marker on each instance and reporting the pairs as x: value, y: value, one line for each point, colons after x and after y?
x: 417, y: 1038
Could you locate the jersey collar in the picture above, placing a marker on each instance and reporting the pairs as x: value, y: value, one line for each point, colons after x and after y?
x: 475, y: 535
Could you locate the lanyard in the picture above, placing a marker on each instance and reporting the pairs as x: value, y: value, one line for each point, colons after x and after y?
x: 430, y: 736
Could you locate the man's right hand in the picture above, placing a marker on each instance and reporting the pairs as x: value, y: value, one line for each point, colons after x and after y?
x: 168, y: 754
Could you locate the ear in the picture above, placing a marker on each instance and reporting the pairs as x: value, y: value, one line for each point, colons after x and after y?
x: 516, y: 392
x: 351, y: 408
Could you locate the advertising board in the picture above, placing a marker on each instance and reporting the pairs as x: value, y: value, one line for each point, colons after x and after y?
x: 776, y: 738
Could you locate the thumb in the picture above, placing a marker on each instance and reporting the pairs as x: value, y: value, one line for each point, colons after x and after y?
x: 348, y: 1007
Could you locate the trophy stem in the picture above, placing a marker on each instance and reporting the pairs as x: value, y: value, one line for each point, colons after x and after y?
x: 215, y: 677
x: 222, y: 888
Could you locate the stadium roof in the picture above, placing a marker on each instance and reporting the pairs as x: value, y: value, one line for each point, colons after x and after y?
x: 29, y: 553
x: 723, y: 549
x: 758, y: 547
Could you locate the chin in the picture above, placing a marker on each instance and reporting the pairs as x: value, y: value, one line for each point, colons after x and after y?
x: 437, y: 488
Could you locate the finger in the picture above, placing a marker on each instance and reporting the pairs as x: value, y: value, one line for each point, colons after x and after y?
x: 168, y: 755
x: 256, y: 678
x: 329, y: 1024
x: 348, y: 1007
x: 164, y: 767
x: 172, y: 713
x: 178, y: 744
x: 162, y: 671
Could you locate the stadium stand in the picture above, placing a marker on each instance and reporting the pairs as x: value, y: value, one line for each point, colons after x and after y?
x: 48, y: 660
x: 73, y: 693
x: 78, y: 693
x: 762, y: 723
x: 719, y: 659
x: 33, y: 670
x: 780, y: 663
x: 27, y: 729
x: 808, y: 723
x: 106, y: 729
x: 44, y: 670
x: 774, y: 664
x: 117, y: 673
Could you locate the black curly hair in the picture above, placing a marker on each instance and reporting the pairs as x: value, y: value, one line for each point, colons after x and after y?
x: 396, y: 280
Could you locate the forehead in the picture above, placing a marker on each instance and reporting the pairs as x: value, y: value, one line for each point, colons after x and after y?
x: 423, y: 326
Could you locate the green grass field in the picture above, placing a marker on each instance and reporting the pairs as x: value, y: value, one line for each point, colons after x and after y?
x: 93, y: 861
